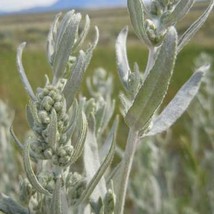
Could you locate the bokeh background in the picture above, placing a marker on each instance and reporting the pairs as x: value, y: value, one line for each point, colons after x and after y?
x: 30, y: 21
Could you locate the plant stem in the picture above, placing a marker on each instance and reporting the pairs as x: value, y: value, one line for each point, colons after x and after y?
x: 125, y: 170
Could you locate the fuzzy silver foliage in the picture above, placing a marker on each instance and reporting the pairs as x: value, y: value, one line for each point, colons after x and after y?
x: 159, y: 169
x: 66, y: 126
x: 155, y: 25
x: 60, y: 123
x: 9, y: 161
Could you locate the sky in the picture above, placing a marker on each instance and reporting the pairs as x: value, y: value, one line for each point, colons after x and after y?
x: 16, y: 5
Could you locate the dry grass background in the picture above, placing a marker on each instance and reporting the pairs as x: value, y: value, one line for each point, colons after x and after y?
x: 34, y: 28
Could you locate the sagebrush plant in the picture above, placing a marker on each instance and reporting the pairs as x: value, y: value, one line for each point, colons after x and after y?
x: 180, y: 182
x: 8, y: 163
x: 65, y: 124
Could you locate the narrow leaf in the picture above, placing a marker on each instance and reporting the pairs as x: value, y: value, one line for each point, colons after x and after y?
x: 18, y: 143
x: 65, y: 41
x: 52, y: 39
x: 73, y: 113
x: 193, y: 29
x: 9, y: 206
x: 83, y: 34
x: 22, y: 74
x: 179, y: 103
x: 73, y: 83
x: 30, y: 173
x: 29, y: 116
x: 122, y: 60
x: 154, y: 89
x: 80, y: 138
x: 108, y: 159
x: 33, y: 111
x: 181, y: 9
x: 114, y: 175
x: 89, y: 51
x: 79, y: 133
x: 92, y: 160
x: 136, y: 10
x: 106, y: 116
x: 52, y: 130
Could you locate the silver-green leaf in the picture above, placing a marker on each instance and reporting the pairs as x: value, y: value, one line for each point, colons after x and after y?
x: 154, y: 88
x: 22, y: 74
x: 136, y: 10
x: 52, y: 130
x: 73, y: 83
x: 52, y: 39
x: 92, y: 160
x: 18, y: 143
x: 193, y: 29
x: 107, y: 161
x: 92, y: 46
x: 9, y: 206
x: 30, y: 118
x: 83, y: 34
x: 181, y: 9
x: 79, y: 135
x: 179, y: 103
x: 30, y: 173
x: 122, y: 60
x: 64, y: 43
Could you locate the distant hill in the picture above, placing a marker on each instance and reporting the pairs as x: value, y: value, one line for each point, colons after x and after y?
x: 68, y: 4
x: 2, y: 12
x: 87, y: 3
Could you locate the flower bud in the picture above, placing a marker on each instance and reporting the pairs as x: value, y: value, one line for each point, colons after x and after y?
x: 53, y: 94
x: 58, y: 106
x: 48, y: 153
x: 156, y: 8
x: 76, y: 191
x: 43, y: 116
x: 45, y: 92
x: 63, y: 155
x: 25, y: 192
x: 109, y: 202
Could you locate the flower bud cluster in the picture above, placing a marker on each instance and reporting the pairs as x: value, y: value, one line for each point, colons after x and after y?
x: 151, y: 21
x: 162, y: 7
x: 154, y: 34
x: 38, y: 205
x: 76, y: 184
x: 47, y: 180
x: 41, y: 149
x: 100, y: 84
x: 63, y: 155
x: 25, y: 191
x: 109, y: 202
x: 104, y: 205
x: 49, y: 99
x: 159, y: 9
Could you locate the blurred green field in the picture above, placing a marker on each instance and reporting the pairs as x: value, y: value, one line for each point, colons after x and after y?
x: 34, y: 29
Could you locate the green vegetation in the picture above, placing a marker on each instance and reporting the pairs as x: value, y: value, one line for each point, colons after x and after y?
x: 181, y: 143
x: 35, y: 63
